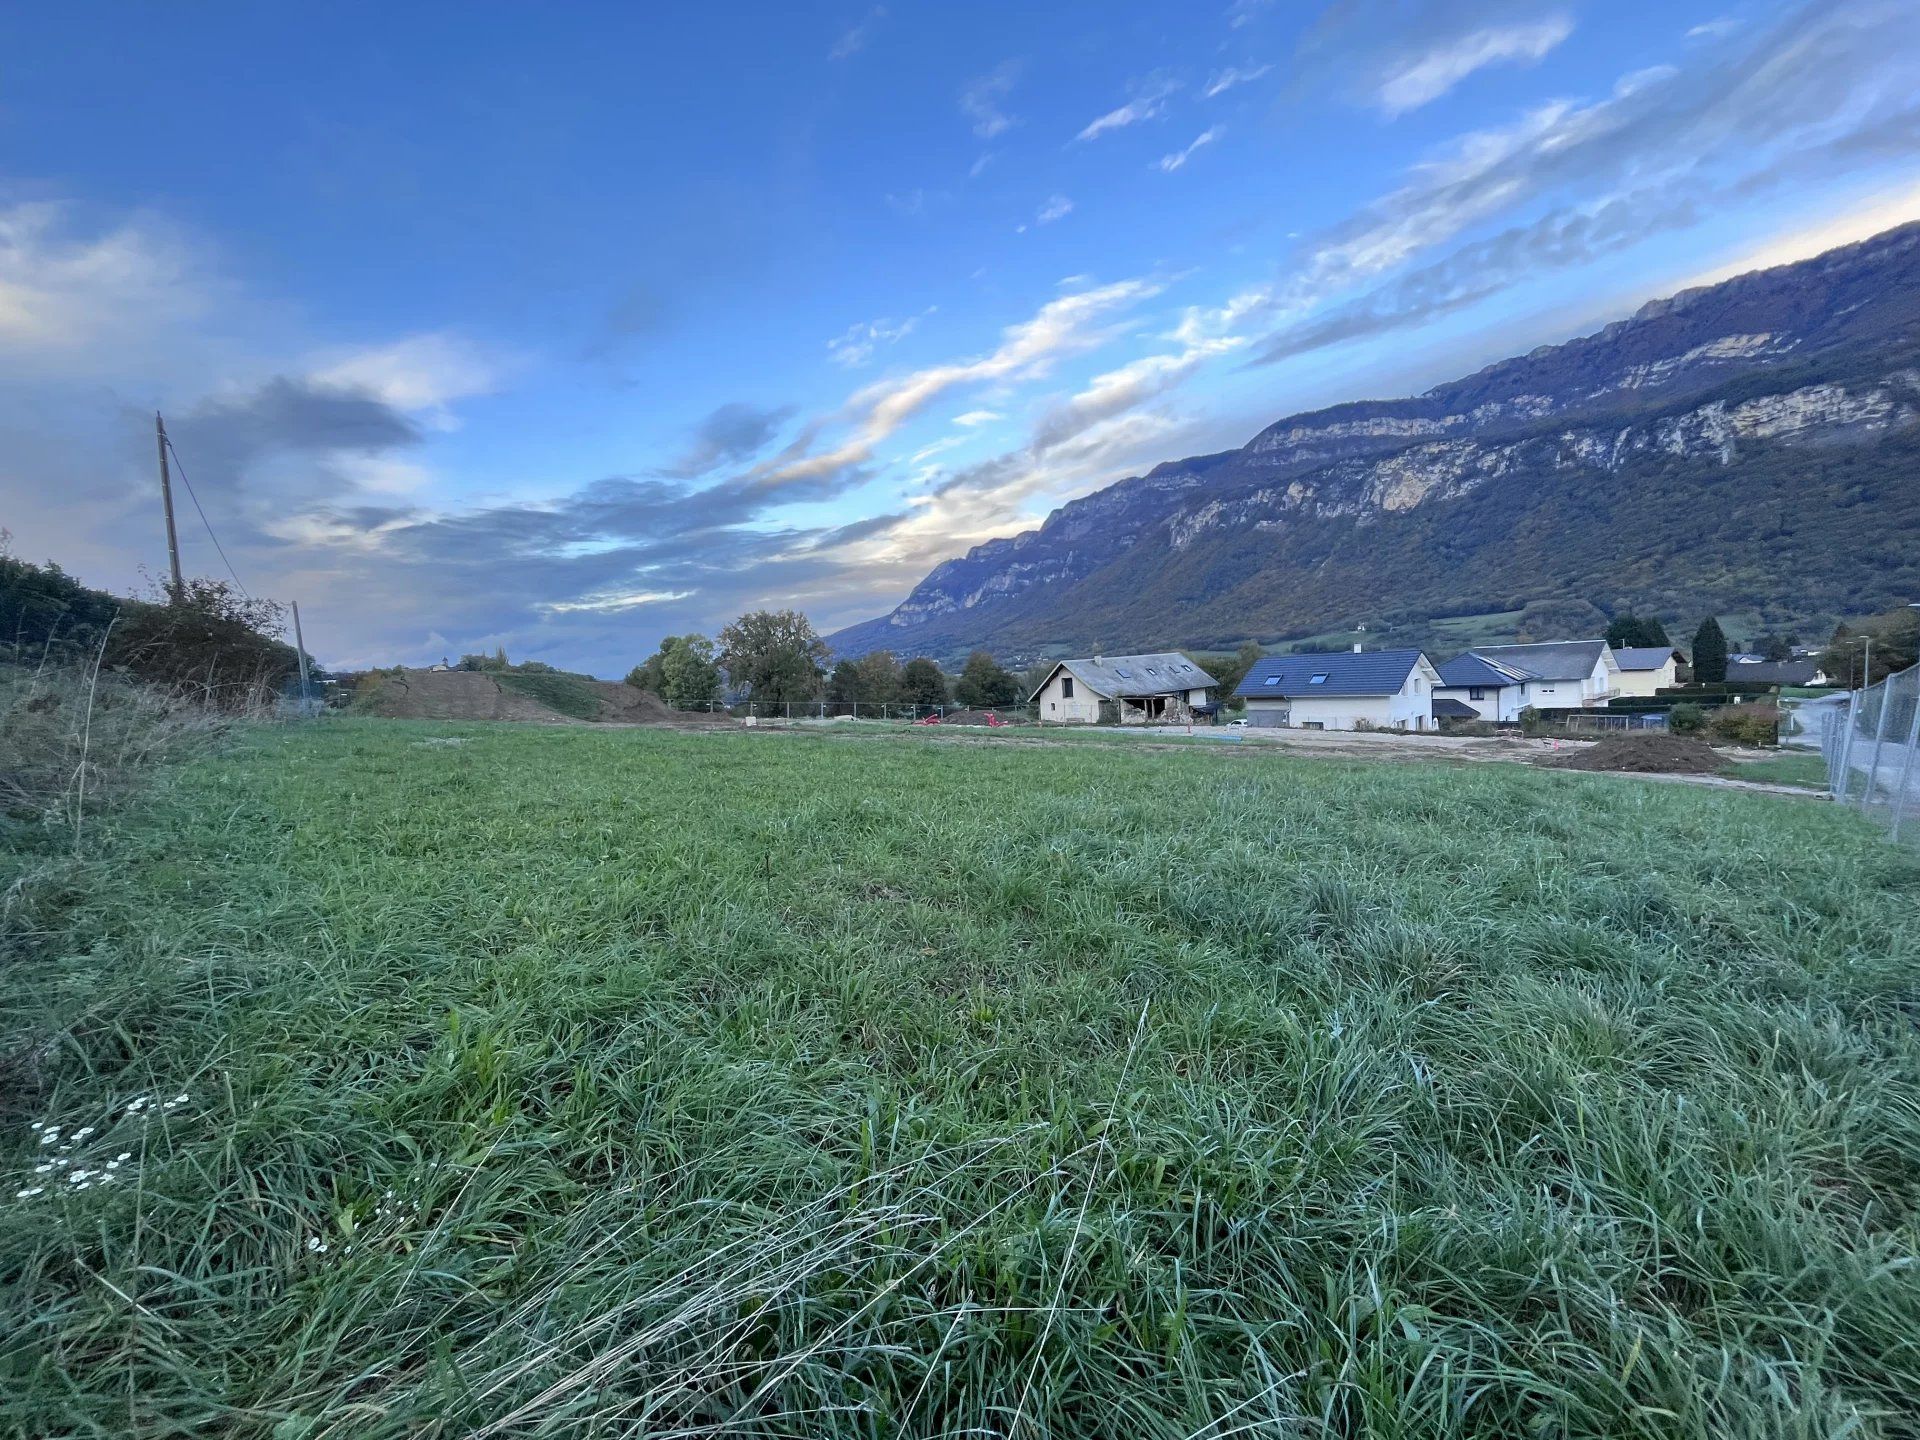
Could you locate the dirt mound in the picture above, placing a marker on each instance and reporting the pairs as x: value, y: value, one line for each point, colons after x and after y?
x: 1647, y: 753
x: 478, y: 695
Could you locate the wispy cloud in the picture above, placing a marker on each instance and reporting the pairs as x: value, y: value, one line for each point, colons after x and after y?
x: 1426, y: 78
x: 855, y: 37
x: 1178, y: 158
x: 983, y: 101
x: 1242, y: 13
x: 857, y: 346
x: 1714, y: 29
x: 1233, y: 75
x: 977, y: 417
x: 1058, y: 207
x: 611, y: 602
x: 733, y: 432
x: 1149, y: 103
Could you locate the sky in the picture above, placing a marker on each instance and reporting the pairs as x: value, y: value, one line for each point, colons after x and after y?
x: 567, y: 327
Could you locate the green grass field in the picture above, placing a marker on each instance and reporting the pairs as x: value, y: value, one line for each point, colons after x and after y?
x: 567, y: 1082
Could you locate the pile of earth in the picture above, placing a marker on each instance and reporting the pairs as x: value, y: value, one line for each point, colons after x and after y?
x: 1646, y: 753
x: 549, y: 698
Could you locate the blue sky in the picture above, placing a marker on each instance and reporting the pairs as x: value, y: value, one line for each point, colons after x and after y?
x: 566, y: 327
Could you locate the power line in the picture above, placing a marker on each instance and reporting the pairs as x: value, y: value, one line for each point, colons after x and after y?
x: 179, y: 466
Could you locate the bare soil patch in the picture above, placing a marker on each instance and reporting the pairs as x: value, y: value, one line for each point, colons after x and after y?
x: 1643, y: 754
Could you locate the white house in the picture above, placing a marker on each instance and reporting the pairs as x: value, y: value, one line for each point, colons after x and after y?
x: 1381, y: 689
x: 1166, y: 688
x: 1491, y: 690
x: 1556, y: 675
x: 1645, y: 669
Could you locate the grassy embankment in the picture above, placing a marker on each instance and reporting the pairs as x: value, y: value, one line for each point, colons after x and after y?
x: 558, y: 1081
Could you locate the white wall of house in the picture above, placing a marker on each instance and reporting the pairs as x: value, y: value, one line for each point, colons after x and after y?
x: 1054, y: 703
x: 1646, y: 682
x: 1410, y: 709
x: 1498, y: 703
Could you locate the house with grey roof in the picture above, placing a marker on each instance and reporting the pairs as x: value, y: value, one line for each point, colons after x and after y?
x: 1503, y: 680
x: 1647, y: 669
x: 1486, y: 689
x: 1343, y: 690
x: 1165, y: 688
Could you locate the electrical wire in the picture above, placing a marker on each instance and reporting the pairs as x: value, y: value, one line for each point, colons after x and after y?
x: 182, y: 469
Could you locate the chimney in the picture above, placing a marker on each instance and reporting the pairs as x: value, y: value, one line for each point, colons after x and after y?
x: 1099, y: 659
x: 1356, y: 647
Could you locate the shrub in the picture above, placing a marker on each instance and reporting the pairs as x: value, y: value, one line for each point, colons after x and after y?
x: 1746, y: 724
x: 1686, y: 719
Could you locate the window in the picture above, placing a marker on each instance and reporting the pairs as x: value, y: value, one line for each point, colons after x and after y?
x: 1317, y: 680
x: 1474, y: 692
x: 1272, y: 680
x: 1313, y: 724
x: 1066, y: 687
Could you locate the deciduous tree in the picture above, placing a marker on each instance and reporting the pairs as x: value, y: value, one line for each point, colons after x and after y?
x: 923, y: 683
x: 689, y: 675
x: 985, y: 682
x: 777, y: 654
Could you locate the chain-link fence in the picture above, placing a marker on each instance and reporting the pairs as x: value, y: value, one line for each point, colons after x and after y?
x: 1870, y: 739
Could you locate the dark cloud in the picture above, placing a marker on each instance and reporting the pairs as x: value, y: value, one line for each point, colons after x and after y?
x: 735, y: 431
x: 227, y: 436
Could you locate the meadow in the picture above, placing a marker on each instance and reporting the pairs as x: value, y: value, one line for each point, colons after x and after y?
x: 382, y: 1078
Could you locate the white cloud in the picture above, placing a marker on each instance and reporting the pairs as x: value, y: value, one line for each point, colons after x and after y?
x: 1068, y: 325
x: 984, y: 100
x: 977, y: 417
x: 1149, y: 104
x: 418, y: 373
x: 612, y: 602
x: 1058, y: 207
x: 1714, y: 29
x: 855, y: 37
x: 1244, y: 12
x: 133, y: 301
x: 1425, y: 79
x: 856, y: 347
x: 1178, y: 158
x: 1230, y: 77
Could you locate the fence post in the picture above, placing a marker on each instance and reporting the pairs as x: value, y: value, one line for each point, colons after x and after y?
x: 1879, y: 739
x: 1906, y: 761
x: 1850, y: 722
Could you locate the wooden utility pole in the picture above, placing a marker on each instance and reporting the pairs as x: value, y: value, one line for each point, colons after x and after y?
x: 178, y: 589
x: 300, y: 649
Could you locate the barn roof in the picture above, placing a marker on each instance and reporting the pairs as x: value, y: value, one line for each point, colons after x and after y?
x: 1114, y: 676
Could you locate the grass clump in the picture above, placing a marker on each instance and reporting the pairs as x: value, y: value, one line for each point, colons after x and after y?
x: 577, y: 1082
x: 570, y: 695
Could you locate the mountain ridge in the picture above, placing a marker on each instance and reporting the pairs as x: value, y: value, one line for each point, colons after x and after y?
x: 1799, y: 378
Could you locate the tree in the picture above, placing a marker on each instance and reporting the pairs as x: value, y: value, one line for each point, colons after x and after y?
x: 1036, y: 676
x: 1774, y: 647
x: 689, y: 675
x: 1627, y: 632
x: 880, y: 680
x: 651, y: 673
x: 843, y: 688
x: 984, y: 682
x: 1230, y: 672
x: 776, y: 654
x: 1709, y: 653
x: 1896, y: 645
x: 923, y: 683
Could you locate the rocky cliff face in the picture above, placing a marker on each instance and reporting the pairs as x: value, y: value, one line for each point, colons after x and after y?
x: 1820, y: 355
